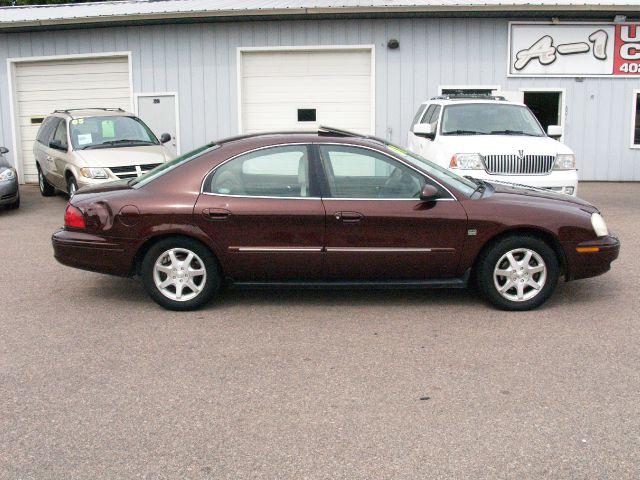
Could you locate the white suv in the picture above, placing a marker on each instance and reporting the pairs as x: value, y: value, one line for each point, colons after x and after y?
x: 492, y: 139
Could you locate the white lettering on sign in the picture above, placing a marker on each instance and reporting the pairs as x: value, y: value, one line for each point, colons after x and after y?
x: 544, y: 51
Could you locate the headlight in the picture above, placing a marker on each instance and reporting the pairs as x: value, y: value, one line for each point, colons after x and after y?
x: 599, y: 225
x: 466, y: 161
x: 94, y: 173
x: 565, y: 161
x: 8, y: 174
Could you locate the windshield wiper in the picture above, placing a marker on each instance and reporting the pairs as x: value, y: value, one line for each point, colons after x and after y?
x: 512, y: 132
x: 463, y: 132
x: 112, y: 143
x: 481, y: 184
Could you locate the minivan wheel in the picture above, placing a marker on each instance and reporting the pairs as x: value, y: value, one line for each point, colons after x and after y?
x: 72, y: 186
x: 180, y: 273
x: 518, y: 273
x: 46, y: 189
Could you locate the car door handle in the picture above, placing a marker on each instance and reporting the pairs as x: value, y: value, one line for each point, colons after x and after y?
x: 49, y: 158
x: 216, y: 213
x: 348, y: 217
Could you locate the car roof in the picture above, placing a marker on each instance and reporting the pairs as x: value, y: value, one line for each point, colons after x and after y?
x: 322, y: 135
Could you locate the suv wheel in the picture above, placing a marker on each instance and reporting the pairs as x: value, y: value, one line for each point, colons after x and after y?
x: 72, y: 185
x: 46, y: 189
x: 518, y: 273
x: 180, y: 273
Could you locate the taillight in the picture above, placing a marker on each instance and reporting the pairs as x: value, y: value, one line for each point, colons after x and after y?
x: 74, y: 218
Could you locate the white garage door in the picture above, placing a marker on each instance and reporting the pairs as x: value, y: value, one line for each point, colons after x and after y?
x: 299, y: 90
x: 44, y: 86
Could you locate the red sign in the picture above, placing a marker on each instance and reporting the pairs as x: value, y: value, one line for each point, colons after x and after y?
x: 627, y: 49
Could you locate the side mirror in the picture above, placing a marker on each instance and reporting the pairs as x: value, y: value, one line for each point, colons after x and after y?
x: 554, y: 131
x: 428, y: 193
x: 165, y: 137
x: 57, y: 144
x: 424, y: 130
x: 3, y: 150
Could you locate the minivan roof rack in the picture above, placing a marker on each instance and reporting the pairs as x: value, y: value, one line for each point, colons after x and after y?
x: 477, y: 96
x: 89, y: 108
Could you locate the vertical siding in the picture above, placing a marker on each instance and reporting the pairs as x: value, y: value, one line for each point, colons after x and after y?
x: 199, y: 63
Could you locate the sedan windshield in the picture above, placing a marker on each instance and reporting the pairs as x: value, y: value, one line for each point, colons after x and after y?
x: 444, y: 176
x: 110, y: 132
x: 489, y: 119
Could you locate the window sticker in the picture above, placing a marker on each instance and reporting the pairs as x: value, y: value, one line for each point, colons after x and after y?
x: 108, y: 130
x: 84, y: 139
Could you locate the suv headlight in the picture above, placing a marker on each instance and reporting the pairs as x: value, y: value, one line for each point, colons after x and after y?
x: 94, y: 173
x: 565, y: 161
x: 8, y: 174
x: 467, y: 161
x: 599, y: 225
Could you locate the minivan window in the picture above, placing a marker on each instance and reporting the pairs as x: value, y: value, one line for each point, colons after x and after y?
x: 46, y: 129
x: 60, y: 135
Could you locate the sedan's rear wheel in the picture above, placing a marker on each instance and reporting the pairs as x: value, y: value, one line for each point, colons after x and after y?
x: 518, y: 273
x: 180, y: 273
x: 46, y: 189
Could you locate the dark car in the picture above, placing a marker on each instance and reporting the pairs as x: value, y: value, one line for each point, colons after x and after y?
x: 329, y: 209
x: 9, y: 190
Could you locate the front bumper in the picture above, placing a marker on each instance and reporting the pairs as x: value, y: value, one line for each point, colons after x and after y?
x: 591, y: 258
x: 91, y: 252
x: 9, y: 192
x: 561, y: 181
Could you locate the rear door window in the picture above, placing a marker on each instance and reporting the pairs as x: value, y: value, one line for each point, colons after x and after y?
x: 46, y: 130
x: 270, y: 172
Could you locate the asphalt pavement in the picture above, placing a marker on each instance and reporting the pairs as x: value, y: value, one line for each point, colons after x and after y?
x: 97, y: 381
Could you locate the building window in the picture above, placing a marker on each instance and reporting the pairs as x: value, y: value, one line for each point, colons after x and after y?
x: 635, y: 123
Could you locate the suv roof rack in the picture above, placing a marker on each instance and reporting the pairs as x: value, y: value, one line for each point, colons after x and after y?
x: 89, y: 108
x: 478, y: 96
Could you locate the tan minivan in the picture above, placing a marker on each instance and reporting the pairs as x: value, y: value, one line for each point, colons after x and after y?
x: 76, y: 148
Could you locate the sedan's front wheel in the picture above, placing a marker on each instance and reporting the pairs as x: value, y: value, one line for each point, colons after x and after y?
x: 518, y: 273
x: 180, y: 273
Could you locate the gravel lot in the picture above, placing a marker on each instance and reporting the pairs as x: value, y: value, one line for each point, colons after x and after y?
x: 96, y: 381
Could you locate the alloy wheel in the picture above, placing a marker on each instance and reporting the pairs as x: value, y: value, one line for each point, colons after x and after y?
x: 520, y: 274
x: 179, y: 274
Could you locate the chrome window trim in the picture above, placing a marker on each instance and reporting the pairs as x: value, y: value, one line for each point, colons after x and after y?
x: 419, y: 172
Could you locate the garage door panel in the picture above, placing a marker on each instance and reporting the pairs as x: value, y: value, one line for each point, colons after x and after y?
x: 287, y: 115
x: 77, y: 93
x: 72, y: 68
x: 318, y: 89
x: 38, y: 83
x: 266, y: 64
x: 42, y: 87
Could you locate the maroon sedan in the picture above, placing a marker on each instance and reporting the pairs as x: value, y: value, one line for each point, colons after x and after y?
x: 329, y: 209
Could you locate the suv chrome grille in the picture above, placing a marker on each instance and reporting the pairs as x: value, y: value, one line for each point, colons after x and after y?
x: 515, y: 165
x: 132, y: 171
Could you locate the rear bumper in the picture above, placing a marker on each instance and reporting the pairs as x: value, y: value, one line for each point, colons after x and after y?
x: 93, y: 253
x: 591, y: 258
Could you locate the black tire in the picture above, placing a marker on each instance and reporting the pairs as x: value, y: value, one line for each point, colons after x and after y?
x: 72, y: 185
x: 209, y: 282
x: 15, y: 205
x: 46, y: 189
x: 496, y: 257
